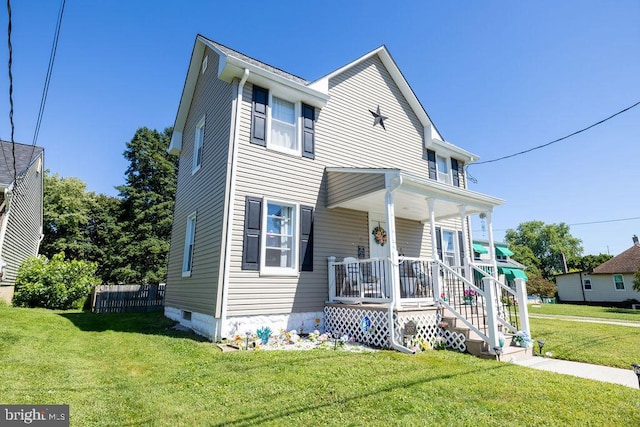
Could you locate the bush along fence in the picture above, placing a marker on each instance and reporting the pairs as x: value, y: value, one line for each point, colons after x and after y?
x: 127, y: 298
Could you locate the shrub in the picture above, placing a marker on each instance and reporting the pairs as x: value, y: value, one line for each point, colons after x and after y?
x: 55, y: 283
x: 540, y: 286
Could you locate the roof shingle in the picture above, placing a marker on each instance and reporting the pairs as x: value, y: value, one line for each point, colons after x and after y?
x: 627, y: 262
x: 24, y: 156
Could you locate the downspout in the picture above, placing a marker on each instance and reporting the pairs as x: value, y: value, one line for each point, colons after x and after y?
x: 395, y: 182
x: 584, y: 297
x: 222, y: 329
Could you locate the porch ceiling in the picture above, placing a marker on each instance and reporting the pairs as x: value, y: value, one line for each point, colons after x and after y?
x: 410, y: 199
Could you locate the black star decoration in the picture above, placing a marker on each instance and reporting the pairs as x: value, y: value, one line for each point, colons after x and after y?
x: 379, y: 118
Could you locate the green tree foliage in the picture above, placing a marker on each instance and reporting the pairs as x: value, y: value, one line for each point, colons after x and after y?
x: 636, y: 280
x: 56, y: 283
x: 147, y: 207
x: 588, y: 262
x: 104, y: 231
x: 540, y: 246
x: 66, y: 212
x: 538, y: 285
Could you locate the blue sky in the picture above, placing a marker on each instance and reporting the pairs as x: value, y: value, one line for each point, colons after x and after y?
x: 496, y: 77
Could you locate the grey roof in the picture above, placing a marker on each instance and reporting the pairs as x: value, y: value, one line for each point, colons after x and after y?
x: 230, y: 52
x: 24, y: 156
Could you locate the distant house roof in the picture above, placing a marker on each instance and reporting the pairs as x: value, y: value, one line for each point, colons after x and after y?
x: 24, y: 156
x: 627, y: 262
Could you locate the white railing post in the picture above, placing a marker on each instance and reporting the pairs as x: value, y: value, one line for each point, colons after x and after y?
x: 332, y: 278
x: 523, y: 309
x: 435, y: 280
x: 492, y: 313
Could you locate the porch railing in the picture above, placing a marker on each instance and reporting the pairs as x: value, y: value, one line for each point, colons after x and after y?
x: 362, y: 280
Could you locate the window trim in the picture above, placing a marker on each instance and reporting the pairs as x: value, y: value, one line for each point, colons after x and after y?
x: 584, y: 285
x: 447, y: 163
x: 297, y: 111
x: 189, y: 243
x: 198, y: 144
x: 292, y: 271
x: 456, y: 249
x: 615, y: 287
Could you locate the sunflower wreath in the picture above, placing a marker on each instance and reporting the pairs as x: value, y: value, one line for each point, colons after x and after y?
x: 379, y: 235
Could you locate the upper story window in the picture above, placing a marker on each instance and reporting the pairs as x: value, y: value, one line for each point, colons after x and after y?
x: 618, y: 282
x: 198, y: 145
x: 445, y: 169
x: 282, y: 124
x: 442, y: 164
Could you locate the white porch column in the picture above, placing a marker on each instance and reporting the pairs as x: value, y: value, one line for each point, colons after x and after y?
x: 466, y: 262
x: 492, y: 247
x: 431, y: 203
x: 393, y: 248
x: 332, y: 278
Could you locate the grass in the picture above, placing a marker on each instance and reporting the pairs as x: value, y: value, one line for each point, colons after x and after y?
x: 586, y: 311
x: 132, y: 369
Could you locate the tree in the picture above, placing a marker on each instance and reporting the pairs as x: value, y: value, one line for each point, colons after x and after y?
x: 147, y: 207
x: 541, y: 246
x: 588, y: 262
x: 66, y: 211
x: 538, y: 285
x: 636, y: 280
x: 104, y: 231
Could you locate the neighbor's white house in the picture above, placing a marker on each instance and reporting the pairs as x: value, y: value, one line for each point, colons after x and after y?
x: 611, y: 281
x: 301, y: 202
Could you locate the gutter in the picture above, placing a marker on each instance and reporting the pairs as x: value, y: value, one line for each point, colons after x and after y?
x: 395, y: 184
x: 221, y: 329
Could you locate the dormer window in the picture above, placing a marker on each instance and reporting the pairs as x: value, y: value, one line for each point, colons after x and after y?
x: 445, y: 169
x: 283, y: 125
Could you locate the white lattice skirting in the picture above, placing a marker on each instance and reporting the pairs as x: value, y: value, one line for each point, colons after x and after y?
x: 348, y: 320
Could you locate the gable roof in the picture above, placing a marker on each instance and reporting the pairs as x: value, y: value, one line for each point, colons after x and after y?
x: 626, y: 262
x: 24, y: 156
x: 233, y: 64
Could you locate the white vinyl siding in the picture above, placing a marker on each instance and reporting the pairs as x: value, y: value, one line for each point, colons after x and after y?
x: 198, y: 146
x: 189, y: 240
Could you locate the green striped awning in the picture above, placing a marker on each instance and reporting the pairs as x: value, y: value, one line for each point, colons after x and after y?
x: 503, y: 250
x: 477, y: 247
x: 513, y: 273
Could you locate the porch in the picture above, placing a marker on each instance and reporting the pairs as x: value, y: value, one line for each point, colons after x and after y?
x: 429, y: 301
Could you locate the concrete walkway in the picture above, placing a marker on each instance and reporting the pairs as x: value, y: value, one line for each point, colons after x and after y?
x: 586, y: 319
x: 583, y: 370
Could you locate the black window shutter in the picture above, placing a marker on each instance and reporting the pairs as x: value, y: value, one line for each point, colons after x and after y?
x: 457, y: 168
x: 252, y: 224
x: 306, y: 238
x: 259, y: 116
x: 431, y: 158
x: 308, y: 131
x: 439, y: 242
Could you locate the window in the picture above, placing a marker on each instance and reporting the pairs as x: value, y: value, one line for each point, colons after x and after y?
x: 618, y: 282
x: 587, y: 284
x: 442, y: 164
x: 205, y: 61
x: 187, y: 260
x: 197, y: 146
x: 281, y: 124
x: 279, y: 237
x: 449, y: 247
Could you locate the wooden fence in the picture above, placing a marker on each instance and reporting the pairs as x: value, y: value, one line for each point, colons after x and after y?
x: 127, y: 298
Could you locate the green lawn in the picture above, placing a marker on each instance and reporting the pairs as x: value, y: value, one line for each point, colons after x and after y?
x: 586, y: 311
x: 132, y: 370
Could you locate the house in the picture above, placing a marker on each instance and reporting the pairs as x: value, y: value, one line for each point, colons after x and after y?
x: 21, y: 208
x: 610, y: 282
x: 508, y: 269
x: 333, y: 204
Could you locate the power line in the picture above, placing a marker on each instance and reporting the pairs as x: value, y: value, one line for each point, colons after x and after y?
x: 45, y: 89
x: 583, y: 223
x: 556, y: 140
x: 13, y: 144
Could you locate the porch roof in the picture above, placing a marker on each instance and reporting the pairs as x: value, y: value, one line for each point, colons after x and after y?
x: 364, y: 190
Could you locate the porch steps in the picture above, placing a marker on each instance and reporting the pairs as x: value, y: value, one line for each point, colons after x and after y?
x: 479, y: 348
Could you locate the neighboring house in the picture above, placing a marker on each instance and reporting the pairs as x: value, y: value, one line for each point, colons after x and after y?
x: 611, y: 281
x: 294, y: 196
x: 21, y: 209
x: 508, y: 269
